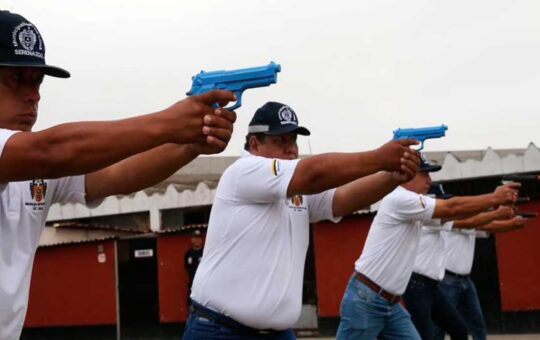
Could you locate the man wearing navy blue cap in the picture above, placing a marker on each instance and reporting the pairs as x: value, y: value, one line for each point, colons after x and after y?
x: 249, y: 282
x: 459, y: 243
x: 370, y: 308
x: 78, y: 162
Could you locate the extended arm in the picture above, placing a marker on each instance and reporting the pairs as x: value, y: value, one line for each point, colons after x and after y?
x: 151, y: 167
x: 479, y: 220
x: 501, y: 226
x: 363, y: 192
x: 460, y: 206
x: 78, y: 148
x: 319, y: 173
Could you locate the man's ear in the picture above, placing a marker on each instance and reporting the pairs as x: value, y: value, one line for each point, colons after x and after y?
x: 253, y: 143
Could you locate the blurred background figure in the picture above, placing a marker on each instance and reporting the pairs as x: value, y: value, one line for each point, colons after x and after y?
x: 192, y: 257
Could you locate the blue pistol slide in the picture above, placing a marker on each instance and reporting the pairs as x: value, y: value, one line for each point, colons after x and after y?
x: 236, y: 81
x: 421, y: 134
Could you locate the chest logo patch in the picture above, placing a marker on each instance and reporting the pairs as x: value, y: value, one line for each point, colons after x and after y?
x: 296, y: 203
x: 38, y: 190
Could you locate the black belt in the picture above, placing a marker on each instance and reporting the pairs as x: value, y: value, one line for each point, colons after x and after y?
x: 225, y: 321
x: 447, y: 272
x: 424, y: 279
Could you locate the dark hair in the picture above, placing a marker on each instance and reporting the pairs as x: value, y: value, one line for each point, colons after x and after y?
x: 260, y: 137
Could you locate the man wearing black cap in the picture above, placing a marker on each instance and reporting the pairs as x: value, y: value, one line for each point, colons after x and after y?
x: 370, y: 308
x: 249, y: 282
x: 118, y: 157
x: 459, y: 243
x: 424, y: 299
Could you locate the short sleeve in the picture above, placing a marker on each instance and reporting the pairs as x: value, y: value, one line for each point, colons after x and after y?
x: 434, y: 223
x: 320, y: 206
x: 72, y: 189
x: 447, y: 226
x: 260, y: 179
x: 481, y: 234
x: 4, y: 136
x: 410, y: 206
x: 463, y: 231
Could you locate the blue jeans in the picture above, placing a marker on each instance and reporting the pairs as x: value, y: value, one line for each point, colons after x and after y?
x: 367, y: 315
x: 198, y: 327
x: 461, y: 292
x: 429, y: 307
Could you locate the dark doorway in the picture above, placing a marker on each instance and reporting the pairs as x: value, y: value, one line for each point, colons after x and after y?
x: 138, y: 284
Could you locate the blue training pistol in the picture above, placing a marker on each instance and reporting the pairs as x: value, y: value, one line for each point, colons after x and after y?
x: 421, y: 134
x: 236, y: 81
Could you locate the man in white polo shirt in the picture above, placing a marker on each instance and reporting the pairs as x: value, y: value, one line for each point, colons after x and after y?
x: 118, y: 157
x: 457, y: 286
x: 370, y: 307
x: 249, y: 282
x: 428, y: 306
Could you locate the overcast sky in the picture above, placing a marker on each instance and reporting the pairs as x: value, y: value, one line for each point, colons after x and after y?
x: 353, y: 71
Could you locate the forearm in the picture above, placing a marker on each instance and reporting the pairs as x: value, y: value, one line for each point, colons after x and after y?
x: 362, y: 193
x: 460, y: 206
x: 502, y: 226
x: 476, y: 221
x: 319, y: 173
x: 78, y: 148
x: 138, y: 172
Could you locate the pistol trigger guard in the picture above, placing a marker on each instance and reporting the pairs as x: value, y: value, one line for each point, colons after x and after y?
x: 421, y: 145
x: 238, y: 102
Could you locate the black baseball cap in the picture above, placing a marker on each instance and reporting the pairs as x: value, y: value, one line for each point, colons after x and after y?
x: 274, y: 118
x: 437, y: 190
x: 21, y: 45
x: 426, y: 166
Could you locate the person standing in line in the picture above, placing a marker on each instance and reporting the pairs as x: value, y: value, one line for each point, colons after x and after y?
x: 457, y: 285
x: 430, y: 309
x: 370, y: 307
x: 249, y: 282
x: 80, y: 162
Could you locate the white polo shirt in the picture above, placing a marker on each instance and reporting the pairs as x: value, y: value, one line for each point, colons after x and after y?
x: 23, y: 211
x: 253, y: 262
x: 459, y: 249
x: 430, y: 258
x: 390, y: 249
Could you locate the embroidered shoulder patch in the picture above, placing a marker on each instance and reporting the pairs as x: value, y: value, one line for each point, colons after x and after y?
x: 275, y: 167
x: 422, y: 203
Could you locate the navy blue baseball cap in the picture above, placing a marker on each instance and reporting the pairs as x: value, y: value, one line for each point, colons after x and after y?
x: 437, y: 190
x: 274, y: 118
x: 426, y: 166
x: 21, y: 45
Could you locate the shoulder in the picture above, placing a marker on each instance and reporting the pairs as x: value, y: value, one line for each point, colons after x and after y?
x: 406, y: 199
